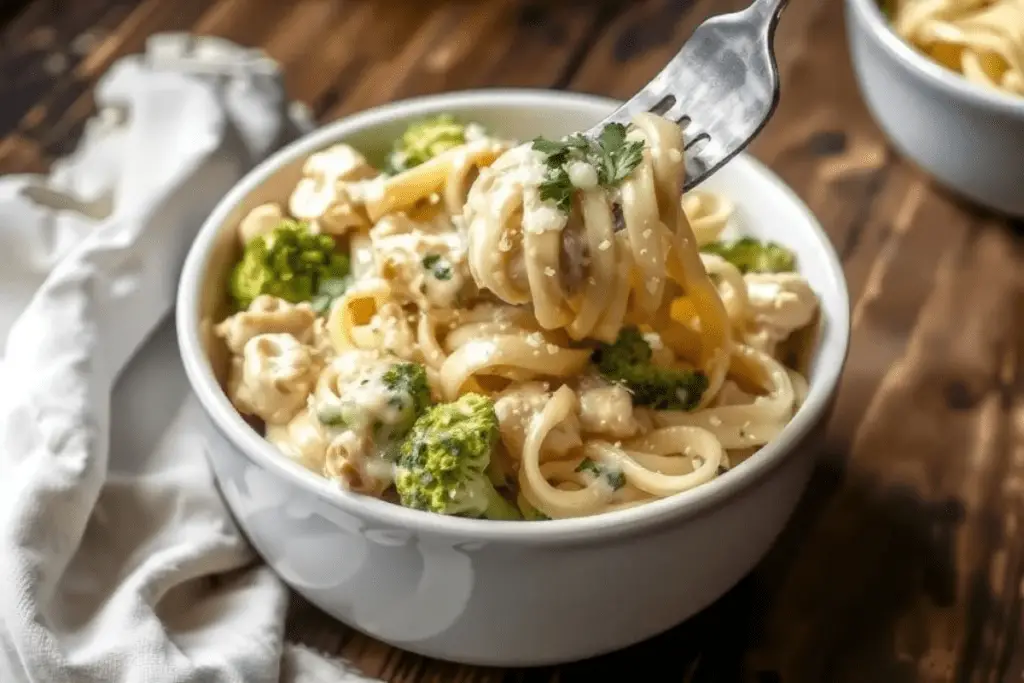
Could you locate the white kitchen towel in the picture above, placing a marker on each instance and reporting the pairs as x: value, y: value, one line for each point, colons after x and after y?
x: 118, y: 560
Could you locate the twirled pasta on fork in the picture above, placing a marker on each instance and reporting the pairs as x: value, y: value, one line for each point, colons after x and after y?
x: 513, y: 331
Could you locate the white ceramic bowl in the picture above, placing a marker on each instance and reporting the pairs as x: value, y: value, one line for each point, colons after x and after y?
x: 969, y: 138
x: 505, y: 593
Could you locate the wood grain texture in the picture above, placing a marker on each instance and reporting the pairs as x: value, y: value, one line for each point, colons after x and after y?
x: 903, y: 563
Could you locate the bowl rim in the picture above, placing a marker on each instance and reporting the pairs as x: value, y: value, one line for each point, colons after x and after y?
x: 880, y: 29
x: 561, y: 532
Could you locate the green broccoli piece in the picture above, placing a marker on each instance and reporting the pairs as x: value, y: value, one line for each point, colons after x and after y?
x: 289, y: 263
x: 409, y: 396
x: 628, y: 362
x: 425, y: 140
x: 444, y: 461
x: 753, y: 256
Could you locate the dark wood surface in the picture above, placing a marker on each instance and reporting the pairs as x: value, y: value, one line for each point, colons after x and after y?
x: 905, y: 561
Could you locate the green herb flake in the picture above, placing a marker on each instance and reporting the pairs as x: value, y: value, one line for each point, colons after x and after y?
x: 615, y: 477
x: 621, y: 156
x: 438, y: 267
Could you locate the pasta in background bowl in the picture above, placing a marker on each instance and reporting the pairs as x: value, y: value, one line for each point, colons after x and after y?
x: 944, y: 79
x: 564, y: 323
x: 981, y: 39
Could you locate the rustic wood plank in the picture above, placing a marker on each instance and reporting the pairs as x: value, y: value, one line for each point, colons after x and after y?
x: 11, y: 9
x: 497, y: 43
x: 60, y: 58
x: 636, y: 41
x: 901, y: 564
x: 38, y: 52
x: 927, y: 483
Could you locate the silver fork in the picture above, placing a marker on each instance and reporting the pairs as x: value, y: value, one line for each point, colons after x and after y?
x: 722, y: 87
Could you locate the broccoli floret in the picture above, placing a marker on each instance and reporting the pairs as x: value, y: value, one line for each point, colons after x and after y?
x: 753, y: 256
x: 408, y: 393
x: 290, y: 263
x: 628, y: 362
x: 444, y: 461
x: 424, y: 140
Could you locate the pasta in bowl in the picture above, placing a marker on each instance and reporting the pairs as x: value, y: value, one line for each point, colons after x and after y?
x: 498, y: 346
x: 615, y: 357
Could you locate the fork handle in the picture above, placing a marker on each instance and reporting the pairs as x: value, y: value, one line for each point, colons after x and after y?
x: 768, y: 11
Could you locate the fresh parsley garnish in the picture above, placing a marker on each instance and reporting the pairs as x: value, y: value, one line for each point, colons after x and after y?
x: 612, y: 156
x: 438, y: 267
x: 620, y: 156
x: 557, y: 188
x: 329, y: 290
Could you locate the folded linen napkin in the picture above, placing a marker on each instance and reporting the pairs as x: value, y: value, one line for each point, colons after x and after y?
x: 118, y: 561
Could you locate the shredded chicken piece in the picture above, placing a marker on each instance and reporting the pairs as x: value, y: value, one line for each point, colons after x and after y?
x: 267, y: 315
x: 422, y: 267
x: 606, y: 409
x: 779, y: 304
x: 303, y: 439
x: 330, y: 194
x: 260, y: 221
x: 391, y: 325
x: 274, y: 377
x: 349, y: 462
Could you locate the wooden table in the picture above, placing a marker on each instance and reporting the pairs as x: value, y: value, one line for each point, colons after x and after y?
x: 904, y: 562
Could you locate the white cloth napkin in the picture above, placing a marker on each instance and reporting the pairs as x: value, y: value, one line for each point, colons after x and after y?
x: 118, y: 560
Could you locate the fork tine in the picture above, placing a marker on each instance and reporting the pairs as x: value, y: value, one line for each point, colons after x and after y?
x: 644, y: 101
x: 721, y: 87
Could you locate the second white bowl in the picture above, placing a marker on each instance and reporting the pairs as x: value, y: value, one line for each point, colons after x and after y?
x: 967, y: 137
